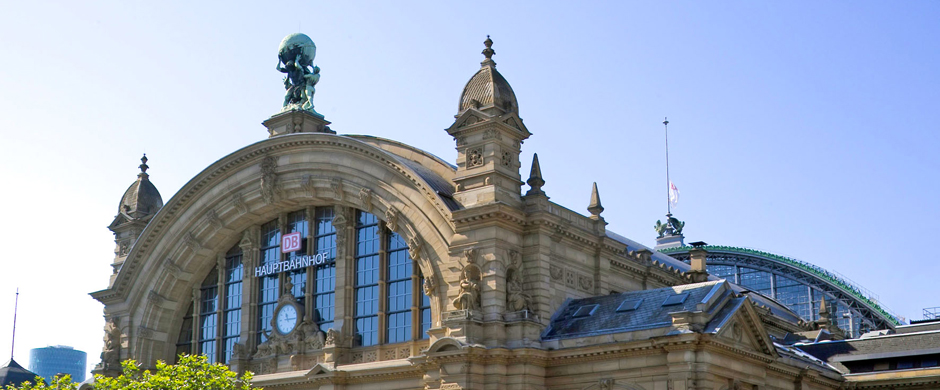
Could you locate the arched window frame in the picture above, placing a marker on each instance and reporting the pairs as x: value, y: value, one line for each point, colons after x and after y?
x: 319, y: 289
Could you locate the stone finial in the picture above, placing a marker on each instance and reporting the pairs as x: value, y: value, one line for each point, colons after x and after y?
x: 535, y: 177
x: 488, y: 52
x: 595, y: 207
x: 143, y: 167
x: 824, y: 310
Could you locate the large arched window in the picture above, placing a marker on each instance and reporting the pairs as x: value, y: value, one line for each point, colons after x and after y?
x: 216, y: 311
x: 383, y: 285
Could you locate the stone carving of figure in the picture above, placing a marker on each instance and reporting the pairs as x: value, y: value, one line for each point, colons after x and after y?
x: 469, y: 296
x: 111, y: 355
x: 295, y: 60
x: 332, y: 336
x: 516, y: 298
x: 313, y: 337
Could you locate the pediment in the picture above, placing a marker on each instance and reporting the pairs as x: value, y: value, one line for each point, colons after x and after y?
x: 745, y: 331
x: 319, y: 370
x: 468, y: 118
x: 119, y: 220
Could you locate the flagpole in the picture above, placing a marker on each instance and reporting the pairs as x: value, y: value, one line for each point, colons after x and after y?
x: 15, y: 306
x: 668, y: 205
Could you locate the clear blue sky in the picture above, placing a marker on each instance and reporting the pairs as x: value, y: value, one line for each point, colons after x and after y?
x: 805, y: 129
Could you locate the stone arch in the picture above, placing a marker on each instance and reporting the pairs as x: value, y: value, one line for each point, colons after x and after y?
x: 444, y: 344
x: 210, y: 214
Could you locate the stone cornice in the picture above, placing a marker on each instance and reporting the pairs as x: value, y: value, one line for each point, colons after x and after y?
x: 486, y: 213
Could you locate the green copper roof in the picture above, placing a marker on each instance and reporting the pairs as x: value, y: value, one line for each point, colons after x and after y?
x: 820, y: 272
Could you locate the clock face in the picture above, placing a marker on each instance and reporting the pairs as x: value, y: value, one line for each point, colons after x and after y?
x: 286, y: 319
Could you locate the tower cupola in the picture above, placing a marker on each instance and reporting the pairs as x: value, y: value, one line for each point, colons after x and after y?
x: 489, y: 135
x: 140, y: 203
x: 487, y: 90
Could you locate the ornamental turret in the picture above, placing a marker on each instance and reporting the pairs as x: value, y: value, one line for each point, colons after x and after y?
x: 489, y: 135
x: 139, y: 204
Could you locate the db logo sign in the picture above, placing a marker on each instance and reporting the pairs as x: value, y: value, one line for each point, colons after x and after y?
x: 290, y: 242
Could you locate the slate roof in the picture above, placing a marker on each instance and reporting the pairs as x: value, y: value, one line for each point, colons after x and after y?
x: 649, y: 314
x: 488, y: 88
x: 776, y: 308
x: 443, y: 187
x: 896, y: 345
x: 15, y: 374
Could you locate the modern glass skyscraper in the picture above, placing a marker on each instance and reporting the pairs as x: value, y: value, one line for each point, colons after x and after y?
x: 59, y: 359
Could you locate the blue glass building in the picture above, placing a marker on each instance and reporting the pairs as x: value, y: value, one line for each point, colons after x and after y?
x: 54, y: 360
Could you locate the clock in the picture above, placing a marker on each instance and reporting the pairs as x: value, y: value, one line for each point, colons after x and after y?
x: 285, y: 320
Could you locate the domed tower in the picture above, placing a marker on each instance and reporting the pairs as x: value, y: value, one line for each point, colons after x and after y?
x: 139, y: 204
x: 489, y: 133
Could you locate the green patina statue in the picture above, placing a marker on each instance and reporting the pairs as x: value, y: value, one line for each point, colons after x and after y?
x: 672, y: 227
x: 295, y: 58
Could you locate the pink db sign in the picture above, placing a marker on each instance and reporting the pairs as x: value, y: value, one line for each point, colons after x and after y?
x: 290, y: 242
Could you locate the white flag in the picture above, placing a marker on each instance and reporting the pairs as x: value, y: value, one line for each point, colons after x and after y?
x: 673, y: 195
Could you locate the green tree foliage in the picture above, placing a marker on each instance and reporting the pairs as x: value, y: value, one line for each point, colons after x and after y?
x: 193, y: 372
x: 63, y: 382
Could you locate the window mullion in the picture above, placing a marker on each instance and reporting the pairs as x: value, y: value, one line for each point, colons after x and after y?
x: 311, y: 272
x: 415, y: 301
x: 220, y: 306
x: 383, y: 284
x: 197, y: 320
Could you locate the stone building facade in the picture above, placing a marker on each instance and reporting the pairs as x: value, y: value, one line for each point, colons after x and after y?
x: 411, y: 272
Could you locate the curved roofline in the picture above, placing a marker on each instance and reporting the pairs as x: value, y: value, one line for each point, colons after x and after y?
x: 403, y: 146
x: 860, y: 293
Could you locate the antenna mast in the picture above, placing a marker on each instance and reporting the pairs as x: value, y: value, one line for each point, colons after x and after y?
x: 668, y: 205
x: 15, y: 306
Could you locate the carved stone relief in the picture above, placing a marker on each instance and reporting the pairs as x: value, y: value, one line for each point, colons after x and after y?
x: 191, y: 242
x: 429, y: 286
x: 239, y: 203
x: 570, y: 278
x: 414, y: 248
x: 556, y: 272
x: 212, y: 218
x: 516, y: 297
x: 506, y: 159
x: 585, y: 282
x: 269, y: 186
x: 474, y: 157
x: 308, y: 186
x: 492, y: 134
x: 391, y: 219
x: 365, y: 196
x: 337, y: 186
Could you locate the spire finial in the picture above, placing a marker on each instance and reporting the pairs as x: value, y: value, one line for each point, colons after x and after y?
x: 535, y: 177
x: 595, y: 207
x: 143, y: 167
x: 488, y: 52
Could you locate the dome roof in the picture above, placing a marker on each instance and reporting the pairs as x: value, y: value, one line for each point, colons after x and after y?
x: 488, y: 89
x: 141, y: 198
x: 14, y: 374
